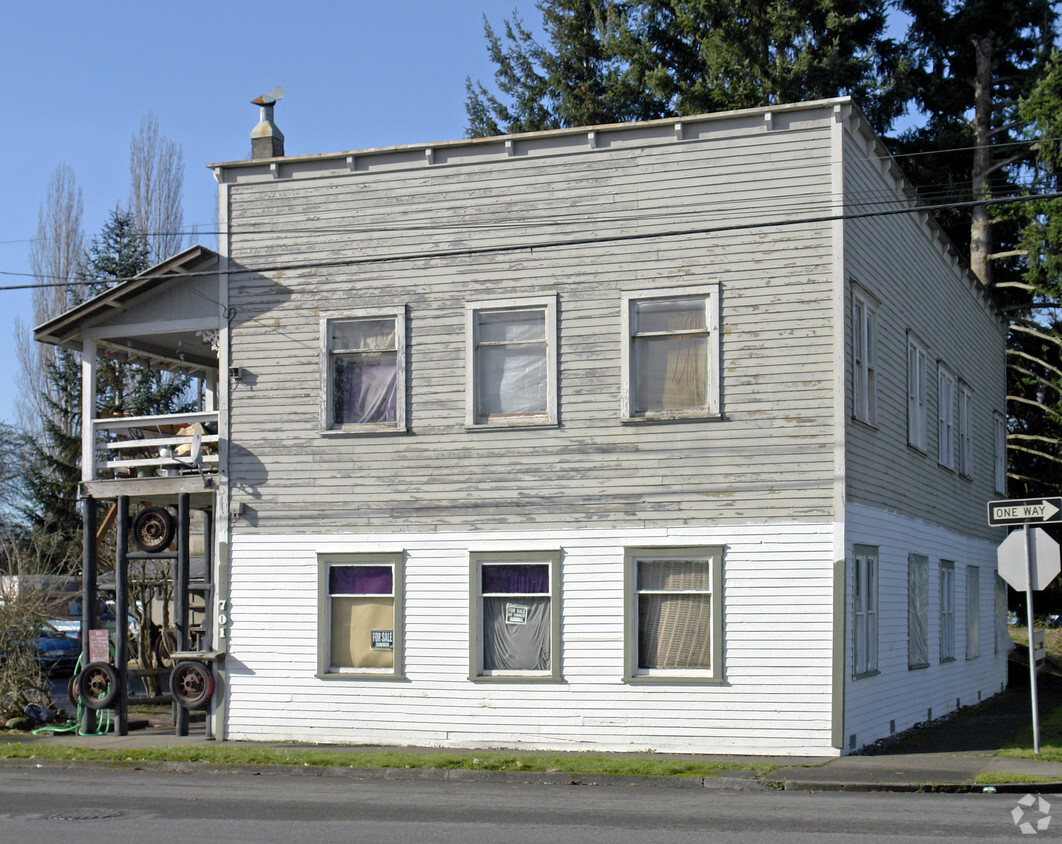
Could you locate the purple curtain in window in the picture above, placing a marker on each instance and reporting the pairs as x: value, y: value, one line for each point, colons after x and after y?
x: 518, y: 578
x: 360, y: 580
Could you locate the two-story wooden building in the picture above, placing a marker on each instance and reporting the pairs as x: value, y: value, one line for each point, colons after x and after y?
x: 673, y: 435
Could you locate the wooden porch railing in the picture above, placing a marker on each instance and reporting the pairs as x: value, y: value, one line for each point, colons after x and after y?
x: 132, y: 446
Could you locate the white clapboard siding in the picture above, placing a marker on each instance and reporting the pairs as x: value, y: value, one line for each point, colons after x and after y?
x: 777, y: 638
x: 900, y: 697
x: 770, y: 455
x: 925, y: 291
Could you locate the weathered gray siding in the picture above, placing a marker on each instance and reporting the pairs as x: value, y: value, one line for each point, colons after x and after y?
x: 371, y: 230
x: 923, y: 290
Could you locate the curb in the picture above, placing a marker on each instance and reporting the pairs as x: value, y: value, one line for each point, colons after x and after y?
x: 921, y: 788
x: 561, y: 778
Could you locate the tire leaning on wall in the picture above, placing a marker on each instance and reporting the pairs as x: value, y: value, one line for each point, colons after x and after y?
x: 191, y: 684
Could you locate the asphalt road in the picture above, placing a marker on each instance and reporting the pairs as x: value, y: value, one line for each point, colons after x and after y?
x: 123, y: 806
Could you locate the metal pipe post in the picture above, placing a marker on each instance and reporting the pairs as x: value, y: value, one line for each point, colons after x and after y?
x: 1032, y: 650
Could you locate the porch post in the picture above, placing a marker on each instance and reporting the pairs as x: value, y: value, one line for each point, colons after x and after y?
x: 180, y: 597
x: 121, y: 616
x: 88, y: 411
x: 88, y: 594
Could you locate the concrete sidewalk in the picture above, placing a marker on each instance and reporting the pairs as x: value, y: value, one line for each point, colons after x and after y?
x: 947, y: 755
x: 903, y: 771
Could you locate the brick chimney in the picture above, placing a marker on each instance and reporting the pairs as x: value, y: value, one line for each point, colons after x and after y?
x: 267, y: 141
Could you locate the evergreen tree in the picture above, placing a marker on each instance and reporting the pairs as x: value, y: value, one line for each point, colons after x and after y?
x: 1035, y: 347
x: 122, y: 388
x: 613, y: 61
x: 975, y: 61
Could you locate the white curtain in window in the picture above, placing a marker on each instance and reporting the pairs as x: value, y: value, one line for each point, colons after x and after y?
x: 364, y: 371
x: 674, y: 614
x: 511, y: 373
x: 671, y: 368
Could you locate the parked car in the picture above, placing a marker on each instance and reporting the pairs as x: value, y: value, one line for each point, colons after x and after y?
x: 55, y: 652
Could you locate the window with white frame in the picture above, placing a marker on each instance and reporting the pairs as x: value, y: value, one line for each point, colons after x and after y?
x: 865, y: 616
x: 946, y: 414
x: 671, y: 353
x: 917, y: 611
x: 973, y: 612
x: 359, y: 615
x: 515, y: 625
x: 965, y: 430
x: 947, y: 611
x: 674, y: 622
x: 363, y: 372
x: 864, y: 337
x: 916, y: 393
x: 512, y: 362
x: 999, y: 450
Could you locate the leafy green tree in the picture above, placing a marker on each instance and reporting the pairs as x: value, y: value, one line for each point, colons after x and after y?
x: 613, y: 61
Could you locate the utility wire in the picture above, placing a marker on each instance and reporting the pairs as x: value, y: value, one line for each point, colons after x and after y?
x: 568, y: 242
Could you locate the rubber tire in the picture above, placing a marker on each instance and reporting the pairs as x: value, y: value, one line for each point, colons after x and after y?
x: 90, y: 679
x: 72, y: 691
x: 191, y: 684
x: 153, y: 529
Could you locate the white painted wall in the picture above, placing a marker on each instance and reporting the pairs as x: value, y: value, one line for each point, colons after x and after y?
x: 899, y: 694
x: 777, y: 659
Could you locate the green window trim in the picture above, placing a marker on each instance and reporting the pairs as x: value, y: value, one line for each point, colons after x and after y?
x: 632, y: 671
x: 325, y: 562
x: 476, y: 672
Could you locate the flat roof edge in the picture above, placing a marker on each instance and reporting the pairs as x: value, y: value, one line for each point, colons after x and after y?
x: 547, y: 133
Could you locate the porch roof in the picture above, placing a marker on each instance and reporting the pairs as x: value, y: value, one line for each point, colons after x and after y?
x: 167, y: 316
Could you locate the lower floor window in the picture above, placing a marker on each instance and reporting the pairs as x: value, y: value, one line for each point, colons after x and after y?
x: 865, y: 599
x: 516, y: 628
x: 674, y: 619
x: 360, y: 632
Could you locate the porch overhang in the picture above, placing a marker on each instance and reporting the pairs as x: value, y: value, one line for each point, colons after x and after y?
x: 167, y: 317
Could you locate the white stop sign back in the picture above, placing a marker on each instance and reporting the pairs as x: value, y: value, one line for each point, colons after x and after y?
x: 1045, y: 559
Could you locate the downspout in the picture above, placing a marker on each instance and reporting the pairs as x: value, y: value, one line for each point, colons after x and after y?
x: 222, y: 523
x: 840, y: 423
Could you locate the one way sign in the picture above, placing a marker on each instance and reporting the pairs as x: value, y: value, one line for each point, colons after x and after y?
x: 1025, y: 511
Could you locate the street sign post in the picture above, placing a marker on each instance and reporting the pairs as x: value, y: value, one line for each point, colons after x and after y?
x: 1028, y: 560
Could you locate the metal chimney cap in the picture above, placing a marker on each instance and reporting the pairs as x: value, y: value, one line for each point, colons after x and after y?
x: 270, y: 98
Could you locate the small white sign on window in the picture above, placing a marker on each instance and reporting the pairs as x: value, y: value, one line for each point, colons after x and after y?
x: 383, y: 640
x: 516, y: 613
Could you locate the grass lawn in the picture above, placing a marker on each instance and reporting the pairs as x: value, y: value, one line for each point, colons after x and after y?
x: 1050, y: 722
x: 241, y: 754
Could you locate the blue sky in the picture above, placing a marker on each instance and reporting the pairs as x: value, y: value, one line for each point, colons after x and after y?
x: 79, y: 78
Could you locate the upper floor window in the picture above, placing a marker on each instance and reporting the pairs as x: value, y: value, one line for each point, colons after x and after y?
x: 965, y: 430
x: 363, y: 371
x: 916, y: 394
x: 999, y: 447
x: 864, y: 337
x: 512, y: 362
x: 946, y: 407
x: 671, y: 353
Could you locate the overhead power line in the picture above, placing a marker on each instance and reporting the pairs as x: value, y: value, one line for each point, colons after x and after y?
x: 575, y: 241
